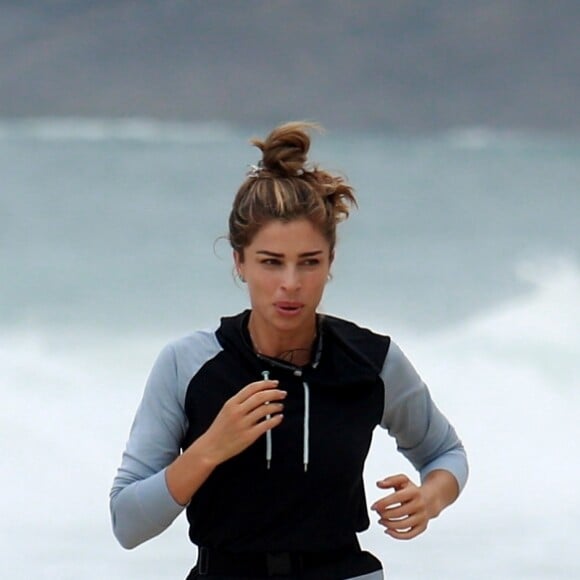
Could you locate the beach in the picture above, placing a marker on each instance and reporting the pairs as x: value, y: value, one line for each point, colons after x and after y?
x: 465, y: 250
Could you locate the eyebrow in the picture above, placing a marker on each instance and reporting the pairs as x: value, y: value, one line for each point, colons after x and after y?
x: 277, y: 255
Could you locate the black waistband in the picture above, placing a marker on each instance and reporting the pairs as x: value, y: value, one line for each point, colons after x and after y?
x: 270, y: 564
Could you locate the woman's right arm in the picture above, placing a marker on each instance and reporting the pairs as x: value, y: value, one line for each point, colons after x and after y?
x: 140, y: 502
x: 155, y: 481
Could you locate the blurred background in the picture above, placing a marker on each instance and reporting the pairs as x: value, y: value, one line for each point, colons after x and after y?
x: 124, y: 134
x: 412, y: 66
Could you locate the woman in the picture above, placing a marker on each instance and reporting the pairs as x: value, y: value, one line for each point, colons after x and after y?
x: 260, y: 429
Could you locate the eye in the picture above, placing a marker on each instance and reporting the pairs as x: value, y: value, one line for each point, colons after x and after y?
x: 311, y: 262
x: 271, y: 262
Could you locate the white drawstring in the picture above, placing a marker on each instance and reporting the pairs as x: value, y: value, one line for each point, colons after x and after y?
x: 266, y: 376
x: 306, y: 427
x: 306, y: 433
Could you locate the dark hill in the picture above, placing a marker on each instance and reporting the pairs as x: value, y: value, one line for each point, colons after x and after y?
x: 415, y: 65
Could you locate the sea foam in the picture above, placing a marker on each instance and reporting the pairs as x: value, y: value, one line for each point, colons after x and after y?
x: 507, y: 379
x: 132, y: 129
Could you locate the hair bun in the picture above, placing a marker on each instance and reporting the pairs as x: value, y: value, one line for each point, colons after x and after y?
x: 285, y: 149
x: 283, y: 187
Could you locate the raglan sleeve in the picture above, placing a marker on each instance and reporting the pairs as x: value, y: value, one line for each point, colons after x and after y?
x: 423, y: 434
x: 141, y: 505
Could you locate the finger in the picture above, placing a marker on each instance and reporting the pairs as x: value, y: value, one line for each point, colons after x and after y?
x: 260, y: 428
x: 252, y: 389
x: 404, y: 496
x: 401, y: 496
x: 394, y: 513
x: 263, y: 411
x: 401, y: 527
x: 262, y: 398
x: 396, y: 481
x: 392, y: 500
x: 407, y: 534
x: 403, y: 522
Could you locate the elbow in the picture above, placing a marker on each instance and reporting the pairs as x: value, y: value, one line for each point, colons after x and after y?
x: 123, y: 534
x: 126, y: 542
x: 141, y: 511
x: 461, y: 466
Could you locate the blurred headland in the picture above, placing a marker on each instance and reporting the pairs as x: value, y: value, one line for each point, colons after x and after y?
x: 409, y: 66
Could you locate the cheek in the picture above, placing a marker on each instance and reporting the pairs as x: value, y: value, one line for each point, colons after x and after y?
x: 259, y: 286
x: 318, y: 284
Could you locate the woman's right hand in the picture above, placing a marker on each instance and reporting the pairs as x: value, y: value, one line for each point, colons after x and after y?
x: 244, y: 418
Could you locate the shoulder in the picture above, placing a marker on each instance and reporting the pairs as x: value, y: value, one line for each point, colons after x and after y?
x: 357, y: 340
x: 348, y: 327
x: 194, y: 349
x: 199, y: 345
x: 399, y: 375
x: 182, y: 358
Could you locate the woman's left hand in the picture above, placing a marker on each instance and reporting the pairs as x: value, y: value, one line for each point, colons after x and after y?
x: 406, y: 512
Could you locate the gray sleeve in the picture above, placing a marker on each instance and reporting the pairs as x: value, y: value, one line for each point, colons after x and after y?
x: 421, y: 431
x: 140, y: 503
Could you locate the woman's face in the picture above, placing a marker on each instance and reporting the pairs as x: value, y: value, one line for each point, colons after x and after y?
x: 286, y: 268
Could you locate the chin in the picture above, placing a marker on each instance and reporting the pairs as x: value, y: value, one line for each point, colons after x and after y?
x: 295, y: 321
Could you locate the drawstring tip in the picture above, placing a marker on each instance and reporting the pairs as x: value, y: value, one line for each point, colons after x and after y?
x: 305, y: 467
x: 268, y: 464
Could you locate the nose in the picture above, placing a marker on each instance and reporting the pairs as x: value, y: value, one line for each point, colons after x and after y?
x: 290, y: 279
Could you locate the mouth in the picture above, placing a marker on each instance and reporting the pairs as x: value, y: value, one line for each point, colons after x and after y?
x: 288, y: 308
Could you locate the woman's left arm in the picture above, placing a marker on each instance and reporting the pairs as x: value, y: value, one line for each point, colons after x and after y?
x: 428, y: 440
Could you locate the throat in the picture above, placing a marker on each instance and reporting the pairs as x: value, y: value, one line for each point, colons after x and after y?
x: 296, y: 356
x: 295, y: 350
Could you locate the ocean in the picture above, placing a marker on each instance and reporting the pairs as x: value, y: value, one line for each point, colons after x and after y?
x: 465, y: 249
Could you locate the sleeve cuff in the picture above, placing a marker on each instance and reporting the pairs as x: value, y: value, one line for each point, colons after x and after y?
x: 454, y: 461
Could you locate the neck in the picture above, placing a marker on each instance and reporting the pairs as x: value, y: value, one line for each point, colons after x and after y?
x: 293, y: 347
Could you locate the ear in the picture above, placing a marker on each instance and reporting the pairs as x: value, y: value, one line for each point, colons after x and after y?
x: 331, y: 258
x: 238, y: 261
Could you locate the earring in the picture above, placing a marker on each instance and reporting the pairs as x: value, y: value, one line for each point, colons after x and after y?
x: 242, y: 279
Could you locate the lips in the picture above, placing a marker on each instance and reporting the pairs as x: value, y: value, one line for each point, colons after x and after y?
x: 288, y: 308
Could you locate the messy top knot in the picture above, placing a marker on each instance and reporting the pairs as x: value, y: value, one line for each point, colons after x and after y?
x: 285, y: 150
x: 283, y: 186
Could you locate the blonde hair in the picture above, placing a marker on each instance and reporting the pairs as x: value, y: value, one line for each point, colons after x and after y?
x: 283, y: 186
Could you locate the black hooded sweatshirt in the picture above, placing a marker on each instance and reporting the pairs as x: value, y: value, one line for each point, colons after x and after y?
x: 310, y: 496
